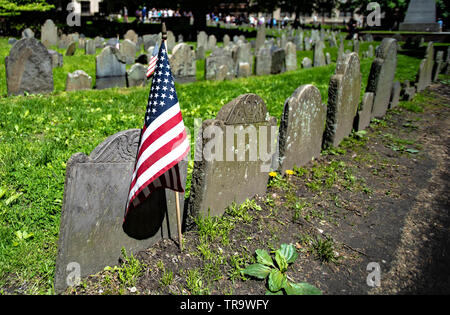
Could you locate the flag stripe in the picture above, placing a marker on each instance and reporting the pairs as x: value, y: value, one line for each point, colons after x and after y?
x: 152, y: 172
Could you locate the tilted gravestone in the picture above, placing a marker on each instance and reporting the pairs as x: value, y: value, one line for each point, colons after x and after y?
x: 382, y: 75
x: 183, y: 63
x: 49, y: 34
x: 343, y: 99
x: 233, y: 155
x: 425, y: 74
x: 301, y: 129
x: 71, y: 49
x: 95, y: 196
x: 362, y: 120
x: 110, y: 70
x: 29, y: 68
x: 291, y: 56
x: 79, y: 80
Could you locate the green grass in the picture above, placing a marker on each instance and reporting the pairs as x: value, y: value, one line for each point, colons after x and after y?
x: 38, y: 134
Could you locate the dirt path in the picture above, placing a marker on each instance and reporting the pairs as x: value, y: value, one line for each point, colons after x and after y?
x: 381, y: 197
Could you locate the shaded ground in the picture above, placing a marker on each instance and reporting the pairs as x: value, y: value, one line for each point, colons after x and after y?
x: 381, y: 197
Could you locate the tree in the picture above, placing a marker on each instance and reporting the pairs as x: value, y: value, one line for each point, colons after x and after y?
x: 17, y: 6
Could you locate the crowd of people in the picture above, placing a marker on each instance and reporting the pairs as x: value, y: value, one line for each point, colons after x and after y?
x: 251, y: 20
x: 150, y: 15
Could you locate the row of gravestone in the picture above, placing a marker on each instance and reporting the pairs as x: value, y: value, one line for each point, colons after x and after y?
x: 233, y: 154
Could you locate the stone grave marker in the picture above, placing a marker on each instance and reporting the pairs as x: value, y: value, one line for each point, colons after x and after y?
x: 212, y: 41
x: 301, y: 129
x: 79, y: 80
x: 395, y: 94
x: 425, y: 74
x: 260, y: 37
x: 343, y: 99
x: 235, y: 157
x: 137, y: 75
x: 57, y: 58
x: 319, y: 56
x: 438, y: 66
x: 27, y: 33
x: 131, y: 35
x: 90, y: 47
x: 278, y: 61
x: 29, y: 68
x: 70, y: 51
x: 362, y: 120
x: 128, y: 49
x: 219, y: 66
x: 49, y: 34
x: 381, y: 76
x: 291, y: 56
x: 92, y: 232
x: 202, y: 40
x: 263, y: 61
x: 110, y: 71
x: 183, y: 63
x: 306, y: 63
x: 226, y: 40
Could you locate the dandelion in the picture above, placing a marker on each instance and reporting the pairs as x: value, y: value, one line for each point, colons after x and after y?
x: 289, y: 172
x: 273, y: 174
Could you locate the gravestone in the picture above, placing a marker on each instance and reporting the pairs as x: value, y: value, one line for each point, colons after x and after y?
x: 408, y: 91
x: 395, y: 94
x: 356, y: 46
x: 425, y: 74
x: 82, y: 43
x: 183, y: 63
x: 95, y: 195
x: 90, y: 47
x: 219, y: 66
x: 110, y: 71
x: 226, y: 40
x: 57, y: 58
x: 128, y: 49
x: 27, y: 33
x: 200, y: 53
x: 170, y: 42
x: 327, y: 58
x: 319, y: 56
x: 79, y: 80
x: 151, y: 40
x: 438, y: 66
x: 202, y: 40
x: 49, y: 34
x: 244, y: 70
x: 291, y: 56
x: 12, y: 41
x: 278, y: 61
x: 298, y: 40
x: 99, y: 42
x: 71, y: 49
x: 235, y: 157
x: 381, y: 76
x: 362, y: 119
x: 306, y: 63
x: 131, y: 35
x: 343, y: 99
x: 420, y: 16
x: 260, y: 37
x: 370, y: 51
x: 212, y: 41
x: 29, y: 68
x: 263, y: 61
x: 137, y: 75
x: 243, y: 55
x: 301, y: 129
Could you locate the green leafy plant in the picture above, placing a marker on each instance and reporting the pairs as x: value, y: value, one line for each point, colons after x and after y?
x: 278, y: 282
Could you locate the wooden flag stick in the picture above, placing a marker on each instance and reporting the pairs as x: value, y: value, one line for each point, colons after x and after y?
x: 180, y: 236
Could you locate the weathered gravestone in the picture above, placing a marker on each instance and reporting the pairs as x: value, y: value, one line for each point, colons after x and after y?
x: 27, y: 33
x: 425, y: 74
x: 202, y: 40
x: 438, y: 66
x: 49, y: 34
x: 382, y: 75
x: 183, y: 63
x: 171, y: 41
x: 306, y: 63
x: 212, y: 41
x: 219, y: 66
x: 29, y: 68
x: 260, y: 37
x: 408, y: 91
x: 151, y: 40
x: 343, y: 99
x: 71, y: 49
x: 327, y: 58
x: 243, y: 55
x: 200, y: 53
x: 301, y: 129
x: 319, y: 56
x: 291, y: 56
x: 110, y: 70
x: 226, y: 40
x: 278, y: 61
x: 95, y: 196
x: 90, y: 47
x: 137, y: 75
x: 362, y: 119
x: 128, y: 49
x: 79, y: 80
x: 263, y: 61
x: 57, y: 58
x: 131, y: 35
x: 395, y: 94
x: 233, y: 155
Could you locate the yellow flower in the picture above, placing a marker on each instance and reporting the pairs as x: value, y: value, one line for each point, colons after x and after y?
x: 273, y: 174
x: 289, y: 172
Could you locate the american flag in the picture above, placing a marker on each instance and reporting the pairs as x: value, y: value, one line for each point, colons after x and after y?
x: 152, y: 63
x: 163, y: 141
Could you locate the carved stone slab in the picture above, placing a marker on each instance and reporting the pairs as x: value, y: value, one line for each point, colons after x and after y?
x: 95, y: 197
x: 301, y: 129
x: 343, y: 99
x: 238, y: 170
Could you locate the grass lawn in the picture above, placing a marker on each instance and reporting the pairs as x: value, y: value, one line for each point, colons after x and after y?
x: 39, y: 133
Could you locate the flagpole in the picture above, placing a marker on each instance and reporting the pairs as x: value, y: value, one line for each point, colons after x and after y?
x: 177, y: 198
